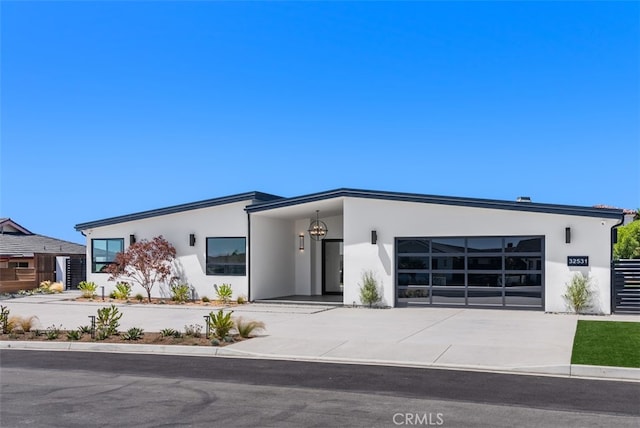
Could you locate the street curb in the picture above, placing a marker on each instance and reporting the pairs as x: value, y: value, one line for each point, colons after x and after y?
x: 568, y: 371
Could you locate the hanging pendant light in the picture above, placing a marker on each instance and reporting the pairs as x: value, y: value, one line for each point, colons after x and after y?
x: 317, y: 229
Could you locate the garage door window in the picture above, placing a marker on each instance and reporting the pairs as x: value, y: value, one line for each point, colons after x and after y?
x: 494, y: 271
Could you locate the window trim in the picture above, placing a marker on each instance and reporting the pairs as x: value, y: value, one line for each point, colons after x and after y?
x: 93, y: 259
x: 206, y: 257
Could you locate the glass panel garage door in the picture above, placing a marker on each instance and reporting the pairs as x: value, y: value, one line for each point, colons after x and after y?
x: 495, y: 271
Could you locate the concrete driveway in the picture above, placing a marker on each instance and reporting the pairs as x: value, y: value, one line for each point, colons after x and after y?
x: 475, y: 339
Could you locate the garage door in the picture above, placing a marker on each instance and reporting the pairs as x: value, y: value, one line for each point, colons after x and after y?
x: 493, y: 271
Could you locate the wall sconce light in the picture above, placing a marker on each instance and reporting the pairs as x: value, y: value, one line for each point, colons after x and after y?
x: 301, y: 242
x: 192, y: 240
x: 132, y: 239
x: 374, y: 237
x: 567, y: 235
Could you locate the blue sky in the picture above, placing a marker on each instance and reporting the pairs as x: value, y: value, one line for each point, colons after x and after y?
x: 109, y: 108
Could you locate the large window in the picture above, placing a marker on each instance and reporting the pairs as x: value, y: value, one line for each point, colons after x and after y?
x: 103, y: 253
x: 227, y: 256
x: 470, y: 271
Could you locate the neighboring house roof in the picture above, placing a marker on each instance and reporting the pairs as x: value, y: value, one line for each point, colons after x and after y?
x: 8, y: 225
x: 443, y: 200
x: 17, y: 241
x: 626, y: 211
x: 253, y: 196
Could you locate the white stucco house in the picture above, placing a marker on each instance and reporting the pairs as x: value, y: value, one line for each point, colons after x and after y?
x: 424, y: 250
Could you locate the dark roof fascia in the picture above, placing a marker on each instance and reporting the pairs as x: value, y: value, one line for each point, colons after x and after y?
x: 442, y: 200
x: 259, y: 196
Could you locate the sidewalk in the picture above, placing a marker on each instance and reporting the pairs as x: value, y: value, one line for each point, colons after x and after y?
x: 451, y: 338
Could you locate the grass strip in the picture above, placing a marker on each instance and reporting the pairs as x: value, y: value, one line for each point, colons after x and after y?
x: 607, y: 343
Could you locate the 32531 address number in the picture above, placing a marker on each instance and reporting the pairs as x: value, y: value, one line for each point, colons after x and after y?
x: 578, y: 260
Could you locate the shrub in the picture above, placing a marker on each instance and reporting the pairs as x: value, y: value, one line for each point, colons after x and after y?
x: 74, y: 335
x: 88, y: 289
x: 101, y: 334
x: 139, y: 297
x: 578, y: 293
x: 215, y: 342
x: 134, y: 333
x: 224, y: 292
x: 4, y: 319
x: 166, y: 332
x: 122, y: 291
x: 205, y: 299
x: 241, y: 300
x: 220, y: 323
x: 194, y: 330
x: 180, y: 292
x: 369, y: 294
x: 108, y: 320
x: 11, y: 324
x: 246, y: 328
x: 53, y: 332
x: 56, y: 287
x: 27, y: 323
x: 84, y: 329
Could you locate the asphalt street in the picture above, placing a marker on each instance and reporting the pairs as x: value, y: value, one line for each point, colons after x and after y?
x: 67, y: 389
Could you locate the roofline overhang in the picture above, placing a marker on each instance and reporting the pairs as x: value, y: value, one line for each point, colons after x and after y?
x: 248, y: 196
x: 441, y: 200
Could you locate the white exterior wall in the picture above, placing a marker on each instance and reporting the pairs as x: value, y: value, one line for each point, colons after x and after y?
x: 272, y: 257
x: 590, y: 236
x: 228, y: 220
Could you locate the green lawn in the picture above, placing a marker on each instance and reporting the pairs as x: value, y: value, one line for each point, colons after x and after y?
x: 607, y: 343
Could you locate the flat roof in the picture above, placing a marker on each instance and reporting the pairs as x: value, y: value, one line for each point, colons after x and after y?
x: 253, y: 196
x: 442, y: 200
x: 265, y: 202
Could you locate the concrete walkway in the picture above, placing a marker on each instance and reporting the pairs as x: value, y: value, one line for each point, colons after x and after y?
x: 470, y: 339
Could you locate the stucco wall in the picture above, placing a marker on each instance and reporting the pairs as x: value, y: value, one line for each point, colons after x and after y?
x: 273, y: 247
x: 589, y: 237
x: 228, y: 220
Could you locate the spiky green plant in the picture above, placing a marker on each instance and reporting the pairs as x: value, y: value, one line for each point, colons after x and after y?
x: 134, y: 333
x: 122, y: 291
x: 224, y: 292
x: 74, y: 334
x: 53, y: 332
x: 166, y: 332
x: 220, y: 323
x: 246, y: 328
x: 88, y: 289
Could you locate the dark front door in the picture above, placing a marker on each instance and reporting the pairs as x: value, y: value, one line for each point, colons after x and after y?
x: 332, y: 266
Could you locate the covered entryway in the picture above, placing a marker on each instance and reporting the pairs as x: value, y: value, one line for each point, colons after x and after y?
x: 288, y: 262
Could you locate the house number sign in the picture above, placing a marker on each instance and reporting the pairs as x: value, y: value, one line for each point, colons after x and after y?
x: 578, y: 260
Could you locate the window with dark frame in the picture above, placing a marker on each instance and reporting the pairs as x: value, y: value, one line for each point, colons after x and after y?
x: 226, y: 256
x: 103, y: 253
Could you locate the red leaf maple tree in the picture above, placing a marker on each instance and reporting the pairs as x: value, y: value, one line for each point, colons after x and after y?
x: 145, y: 262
